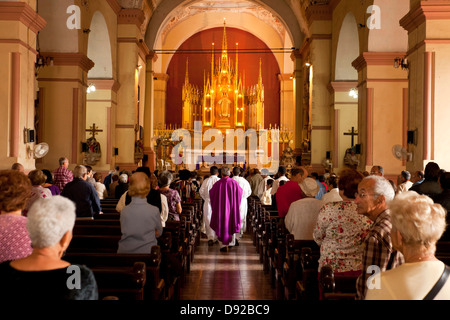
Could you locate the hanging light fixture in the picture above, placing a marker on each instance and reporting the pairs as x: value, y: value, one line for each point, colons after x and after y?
x: 353, y: 93
x: 401, y: 62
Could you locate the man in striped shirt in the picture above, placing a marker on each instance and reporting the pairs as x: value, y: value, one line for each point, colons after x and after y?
x: 374, y: 192
x: 62, y: 175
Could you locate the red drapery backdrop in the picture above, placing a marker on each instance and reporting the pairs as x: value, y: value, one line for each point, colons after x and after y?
x: 200, y: 63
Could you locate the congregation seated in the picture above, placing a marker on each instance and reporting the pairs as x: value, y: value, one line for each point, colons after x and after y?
x: 430, y: 186
x: 290, y: 191
x: 112, y: 186
x: 173, y: 197
x: 37, y: 178
x: 140, y: 222
x: 122, y: 186
x: 302, y: 215
x: 154, y: 197
x: 82, y: 193
x: 417, y: 224
x: 444, y: 199
x: 340, y: 230
x: 15, y: 189
x: 333, y: 193
x: 280, y: 176
x: 404, y: 182
x: 99, y: 186
x: 43, y: 275
x: 49, y: 183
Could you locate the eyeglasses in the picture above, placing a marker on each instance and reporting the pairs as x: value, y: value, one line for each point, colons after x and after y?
x: 363, y: 195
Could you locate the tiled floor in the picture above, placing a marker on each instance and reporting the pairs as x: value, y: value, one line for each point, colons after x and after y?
x: 236, y: 275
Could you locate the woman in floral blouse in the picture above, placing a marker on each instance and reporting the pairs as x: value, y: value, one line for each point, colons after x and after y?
x: 340, y: 230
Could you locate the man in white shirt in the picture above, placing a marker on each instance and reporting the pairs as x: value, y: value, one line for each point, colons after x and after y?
x: 207, y: 210
x: 246, y: 192
x: 333, y: 194
x: 262, y: 186
x: 281, y: 176
x: 404, y: 182
x: 302, y: 216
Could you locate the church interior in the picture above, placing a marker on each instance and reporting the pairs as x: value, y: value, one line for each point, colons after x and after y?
x: 319, y: 83
x: 329, y: 76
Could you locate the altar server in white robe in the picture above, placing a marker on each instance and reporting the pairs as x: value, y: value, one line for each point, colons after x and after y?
x: 207, y: 184
x: 246, y: 192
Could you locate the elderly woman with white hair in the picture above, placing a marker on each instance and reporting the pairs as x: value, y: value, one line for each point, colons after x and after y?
x: 417, y: 224
x: 43, y: 275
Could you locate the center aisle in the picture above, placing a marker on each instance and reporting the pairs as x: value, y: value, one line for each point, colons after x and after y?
x: 236, y: 275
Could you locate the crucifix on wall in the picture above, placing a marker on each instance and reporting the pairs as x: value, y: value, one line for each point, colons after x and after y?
x: 352, y: 133
x: 94, y: 130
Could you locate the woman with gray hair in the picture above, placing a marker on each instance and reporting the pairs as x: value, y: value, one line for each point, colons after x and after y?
x: 43, y: 274
x: 417, y: 224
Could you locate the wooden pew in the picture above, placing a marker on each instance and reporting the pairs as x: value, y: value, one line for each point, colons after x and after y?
x: 94, y: 243
x: 171, y: 264
x: 126, y: 283
x: 96, y: 229
x: 292, y: 267
x: 336, y: 287
x: 307, y: 287
x: 154, y: 285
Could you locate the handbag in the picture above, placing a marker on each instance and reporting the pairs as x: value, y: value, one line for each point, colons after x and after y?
x: 439, y: 284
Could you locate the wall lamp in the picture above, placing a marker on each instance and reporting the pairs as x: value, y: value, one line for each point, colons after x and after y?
x: 401, y: 62
x: 91, y: 88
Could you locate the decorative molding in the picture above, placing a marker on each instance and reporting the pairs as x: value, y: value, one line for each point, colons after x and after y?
x: 131, y: 16
x: 19, y: 42
x: 321, y: 128
x: 142, y: 46
x: 161, y: 76
x: 115, y: 5
x: 316, y: 13
x: 342, y: 86
x: 427, y: 10
x: 376, y: 59
x: 21, y: 11
x: 125, y: 126
x: 62, y: 80
x: 105, y: 84
x: 70, y: 59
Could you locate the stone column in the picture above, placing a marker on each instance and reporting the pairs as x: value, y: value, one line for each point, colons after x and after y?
x: 428, y: 57
x: 287, y: 112
x: 298, y: 100
x: 130, y: 47
x: 62, y: 115
x: 160, y: 91
x: 149, y: 112
x: 380, y: 104
x: 19, y: 25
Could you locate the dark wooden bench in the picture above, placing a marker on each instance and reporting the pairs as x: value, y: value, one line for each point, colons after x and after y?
x: 154, y: 286
x: 336, y: 287
x: 292, y: 266
x: 94, y: 243
x: 96, y: 229
x: 125, y: 283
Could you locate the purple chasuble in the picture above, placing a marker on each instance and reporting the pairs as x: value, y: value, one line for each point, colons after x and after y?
x: 225, y: 198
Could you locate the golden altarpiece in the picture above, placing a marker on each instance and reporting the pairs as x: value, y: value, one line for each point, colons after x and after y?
x: 225, y: 104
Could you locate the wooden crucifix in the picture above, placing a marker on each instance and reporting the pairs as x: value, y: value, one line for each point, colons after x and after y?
x: 352, y: 133
x: 94, y: 130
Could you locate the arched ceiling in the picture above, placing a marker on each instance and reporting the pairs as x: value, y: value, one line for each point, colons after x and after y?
x: 168, y: 13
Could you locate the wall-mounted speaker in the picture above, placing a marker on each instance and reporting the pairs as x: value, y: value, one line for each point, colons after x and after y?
x: 328, y: 155
x: 116, y: 151
x: 411, y: 137
x: 84, y: 147
x: 357, y: 148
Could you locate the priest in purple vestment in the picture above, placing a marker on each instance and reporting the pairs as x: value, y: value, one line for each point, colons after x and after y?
x: 225, y: 198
